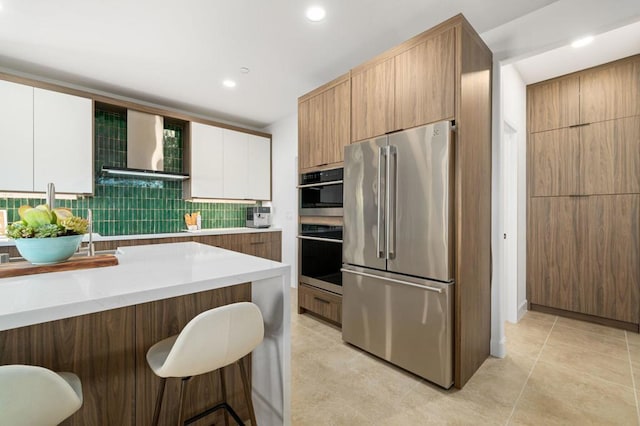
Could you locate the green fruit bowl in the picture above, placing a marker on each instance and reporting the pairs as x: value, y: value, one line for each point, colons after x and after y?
x: 47, y: 251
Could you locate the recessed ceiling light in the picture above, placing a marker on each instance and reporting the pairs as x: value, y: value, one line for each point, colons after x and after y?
x: 582, y: 42
x: 316, y: 13
x: 244, y: 70
x: 229, y: 83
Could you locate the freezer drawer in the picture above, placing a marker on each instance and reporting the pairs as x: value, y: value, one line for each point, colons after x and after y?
x: 406, y: 321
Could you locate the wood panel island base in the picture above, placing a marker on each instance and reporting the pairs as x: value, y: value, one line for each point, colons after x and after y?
x: 100, y: 323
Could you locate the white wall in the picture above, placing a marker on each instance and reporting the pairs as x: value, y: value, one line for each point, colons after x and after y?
x: 514, y: 93
x: 284, y: 175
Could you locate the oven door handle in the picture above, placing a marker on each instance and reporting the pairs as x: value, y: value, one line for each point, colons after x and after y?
x: 330, y: 240
x: 311, y: 185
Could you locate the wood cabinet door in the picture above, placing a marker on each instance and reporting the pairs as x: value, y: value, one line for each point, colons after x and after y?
x: 610, y: 92
x: 555, y: 162
x: 554, y: 238
x: 62, y: 142
x: 336, y: 119
x: 610, y: 157
x: 16, y: 136
x: 98, y: 348
x: 554, y: 105
x: 425, y: 82
x: 316, y: 130
x: 304, y: 137
x: 372, y: 101
x: 610, y: 283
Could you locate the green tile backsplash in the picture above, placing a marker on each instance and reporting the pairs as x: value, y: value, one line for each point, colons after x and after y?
x: 125, y: 205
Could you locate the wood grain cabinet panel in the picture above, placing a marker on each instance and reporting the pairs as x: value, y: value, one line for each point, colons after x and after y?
x: 610, y: 275
x: 610, y: 92
x: 98, y: 348
x: 425, y: 82
x: 337, y: 119
x: 372, y: 101
x: 304, y: 136
x: 554, y: 105
x: 610, y: 157
x: 324, y: 126
x: 555, y: 236
x: 320, y: 302
x: 555, y: 162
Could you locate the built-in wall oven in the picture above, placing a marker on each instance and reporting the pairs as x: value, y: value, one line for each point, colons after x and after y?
x: 321, y: 256
x: 321, y: 193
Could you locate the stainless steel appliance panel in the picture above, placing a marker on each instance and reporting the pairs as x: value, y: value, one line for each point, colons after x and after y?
x: 364, y: 194
x: 419, y: 211
x: 406, y: 321
x: 320, y: 252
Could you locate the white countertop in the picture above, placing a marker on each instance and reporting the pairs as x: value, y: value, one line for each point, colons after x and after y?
x: 145, y: 273
x: 213, y: 231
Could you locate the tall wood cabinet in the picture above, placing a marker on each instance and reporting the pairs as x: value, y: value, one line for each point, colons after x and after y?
x: 441, y: 74
x: 584, y: 194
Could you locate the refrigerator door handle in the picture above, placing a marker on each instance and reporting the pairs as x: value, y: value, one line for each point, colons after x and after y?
x: 380, y: 249
x: 364, y: 274
x: 392, y: 175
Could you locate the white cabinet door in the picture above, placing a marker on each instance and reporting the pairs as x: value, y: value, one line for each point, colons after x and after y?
x: 63, y: 142
x: 207, y: 166
x: 259, y: 168
x: 16, y: 137
x: 236, y: 179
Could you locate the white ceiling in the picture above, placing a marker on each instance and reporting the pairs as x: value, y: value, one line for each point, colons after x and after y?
x: 177, y: 53
x: 606, y: 47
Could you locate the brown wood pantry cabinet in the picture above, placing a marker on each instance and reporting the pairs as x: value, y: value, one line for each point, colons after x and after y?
x: 583, y: 236
x: 441, y: 74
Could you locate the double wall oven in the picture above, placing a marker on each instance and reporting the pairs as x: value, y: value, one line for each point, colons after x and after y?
x: 320, y: 233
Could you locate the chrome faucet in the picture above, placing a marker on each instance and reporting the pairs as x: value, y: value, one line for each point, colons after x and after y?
x: 51, y: 195
x: 90, y: 248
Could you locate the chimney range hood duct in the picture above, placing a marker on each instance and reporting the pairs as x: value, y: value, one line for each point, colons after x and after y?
x: 145, y: 156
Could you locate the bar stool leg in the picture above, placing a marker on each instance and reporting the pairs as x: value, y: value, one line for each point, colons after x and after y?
x: 156, y: 411
x: 223, y: 386
x: 183, y: 391
x: 247, y: 391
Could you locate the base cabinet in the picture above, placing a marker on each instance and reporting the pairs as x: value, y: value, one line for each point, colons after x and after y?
x: 322, y: 303
x: 108, y: 351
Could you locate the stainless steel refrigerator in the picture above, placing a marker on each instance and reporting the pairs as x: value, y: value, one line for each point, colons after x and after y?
x: 397, y: 270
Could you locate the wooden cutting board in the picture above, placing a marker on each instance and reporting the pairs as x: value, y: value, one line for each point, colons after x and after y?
x: 25, y: 268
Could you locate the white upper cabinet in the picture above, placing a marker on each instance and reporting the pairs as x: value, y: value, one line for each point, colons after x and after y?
x: 259, y: 168
x: 206, y: 161
x: 229, y: 164
x: 16, y: 137
x: 63, y: 142
x: 236, y: 154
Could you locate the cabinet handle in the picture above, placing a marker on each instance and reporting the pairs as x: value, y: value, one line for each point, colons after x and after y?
x: 579, y: 125
x: 256, y: 242
x: 321, y: 300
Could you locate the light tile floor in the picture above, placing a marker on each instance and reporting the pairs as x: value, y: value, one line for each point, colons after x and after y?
x: 557, y: 372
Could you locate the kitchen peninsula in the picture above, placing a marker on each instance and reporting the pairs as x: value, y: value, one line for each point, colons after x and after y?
x: 99, y: 323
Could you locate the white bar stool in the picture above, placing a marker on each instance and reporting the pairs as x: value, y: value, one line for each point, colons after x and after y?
x: 210, y: 341
x: 36, y: 396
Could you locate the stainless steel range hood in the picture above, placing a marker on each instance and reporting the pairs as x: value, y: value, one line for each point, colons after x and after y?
x: 145, y: 156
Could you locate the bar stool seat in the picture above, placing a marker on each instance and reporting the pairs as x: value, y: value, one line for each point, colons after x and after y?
x: 35, y: 396
x: 211, y: 341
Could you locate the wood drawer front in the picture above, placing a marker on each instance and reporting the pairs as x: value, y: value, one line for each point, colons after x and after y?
x: 323, y: 303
